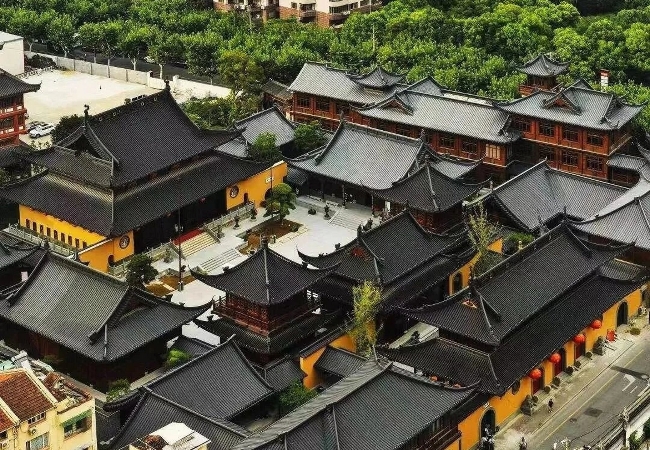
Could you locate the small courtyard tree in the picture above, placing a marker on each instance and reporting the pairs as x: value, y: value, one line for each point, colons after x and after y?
x: 66, y: 126
x: 140, y: 271
x: 482, y: 233
x: 309, y: 136
x: 281, y: 201
x: 264, y: 149
x: 367, y: 298
x: 294, y: 396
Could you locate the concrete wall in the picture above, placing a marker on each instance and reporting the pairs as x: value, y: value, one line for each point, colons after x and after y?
x: 11, y: 55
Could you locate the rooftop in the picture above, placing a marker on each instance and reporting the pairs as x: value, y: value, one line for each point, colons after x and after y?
x: 13, y: 251
x: 11, y: 85
x: 277, y: 89
x: 543, y: 66
x: 173, y: 436
x: 25, y: 396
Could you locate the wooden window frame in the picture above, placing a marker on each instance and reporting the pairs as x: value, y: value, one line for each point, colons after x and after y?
x: 523, y: 125
x: 303, y: 102
x: 547, y: 153
x: 446, y: 138
x: 571, y: 134
x: 595, y: 140
x: 491, y: 150
x: 469, y: 147
x: 320, y: 103
x: 567, y: 155
x: 546, y: 129
x: 594, y: 163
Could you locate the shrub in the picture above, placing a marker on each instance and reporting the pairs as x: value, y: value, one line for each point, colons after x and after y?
x: 635, y: 441
x: 557, y: 381
x: 569, y: 370
x: 175, y: 358
x: 118, y: 388
x: 535, y: 399
x: 294, y: 396
x: 577, y: 364
x: 646, y: 429
x: 589, y: 355
x: 547, y: 389
x: 311, y: 211
x: 635, y: 331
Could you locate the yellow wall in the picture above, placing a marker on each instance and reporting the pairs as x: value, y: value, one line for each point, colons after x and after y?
x: 61, y: 226
x: 257, y: 185
x: 496, y: 246
x: 81, y: 439
x: 307, y: 363
x: 98, y: 255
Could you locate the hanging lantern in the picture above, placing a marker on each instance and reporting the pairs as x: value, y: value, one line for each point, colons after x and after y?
x: 579, y: 339
x: 535, y: 374
x: 555, y: 358
x: 596, y: 324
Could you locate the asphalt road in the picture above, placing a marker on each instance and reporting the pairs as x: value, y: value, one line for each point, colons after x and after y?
x: 169, y: 70
x: 596, y: 409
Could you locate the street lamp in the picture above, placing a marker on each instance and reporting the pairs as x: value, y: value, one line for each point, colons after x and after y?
x: 179, y: 230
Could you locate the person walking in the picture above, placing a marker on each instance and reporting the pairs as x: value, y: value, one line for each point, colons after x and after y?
x: 550, y: 405
x: 523, y: 445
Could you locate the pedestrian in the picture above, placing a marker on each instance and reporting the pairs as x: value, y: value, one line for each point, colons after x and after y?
x: 554, y: 445
x: 523, y: 445
x: 550, y: 405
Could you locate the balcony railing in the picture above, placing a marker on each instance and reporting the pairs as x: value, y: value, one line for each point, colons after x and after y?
x: 308, y: 13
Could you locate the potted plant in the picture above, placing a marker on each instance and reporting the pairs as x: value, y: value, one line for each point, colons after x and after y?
x: 327, y: 212
x: 236, y: 222
x: 254, y: 214
x: 311, y: 211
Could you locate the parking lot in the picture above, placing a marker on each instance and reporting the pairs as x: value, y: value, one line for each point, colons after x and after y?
x: 64, y: 93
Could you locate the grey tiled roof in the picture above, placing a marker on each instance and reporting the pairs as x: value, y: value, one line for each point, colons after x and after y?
x: 339, y: 362
x: 639, y: 164
x: 426, y: 86
x: 427, y: 189
x: 540, y: 194
x: 95, y: 209
x: 191, y: 346
x: 282, y: 373
x: 626, y: 219
x: 320, y: 80
x: 154, y: 412
x: 268, y: 121
x: 11, y: 85
x: 265, y: 278
x: 451, y: 166
x: 509, y: 294
x: 13, y: 250
x: 71, y: 304
x: 297, y: 332
x: 237, y: 385
x: 341, y: 414
x: 378, y: 78
x: 543, y: 66
x: 7, y: 155
x: 443, y: 113
x: 82, y: 165
x: 575, y: 105
x: 363, y: 156
x: 277, y: 89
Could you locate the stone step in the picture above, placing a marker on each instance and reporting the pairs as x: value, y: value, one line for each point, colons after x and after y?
x: 196, y: 244
x: 344, y: 220
x: 220, y: 260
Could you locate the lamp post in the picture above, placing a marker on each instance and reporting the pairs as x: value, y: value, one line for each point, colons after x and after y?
x: 179, y: 230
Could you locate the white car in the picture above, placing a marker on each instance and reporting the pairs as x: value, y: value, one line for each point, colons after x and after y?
x: 42, y: 130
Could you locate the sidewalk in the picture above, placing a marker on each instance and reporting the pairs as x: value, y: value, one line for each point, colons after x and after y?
x: 574, y: 414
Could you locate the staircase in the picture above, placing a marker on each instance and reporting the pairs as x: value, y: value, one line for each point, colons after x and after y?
x: 196, y: 244
x: 346, y: 220
x: 214, y: 263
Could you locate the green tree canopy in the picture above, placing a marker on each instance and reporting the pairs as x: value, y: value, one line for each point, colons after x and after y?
x: 367, y: 300
x: 281, y: 201
x: 309, y: 136
x: 66, y: 126
x: 264, y: 148
x: 140, y: 271
x: 294, y: 396
x: 239, y: 71
x: 482, y: 233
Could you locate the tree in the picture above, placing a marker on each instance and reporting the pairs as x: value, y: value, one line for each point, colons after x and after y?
x: 90, y: 36
x: 165, y: 48
x: 219, y: 112
x: 264, y: 148
x: 240, y: 72
x: 60, y: 32
x: 366, y: 298
x: 27, y: 24
x: 139, y: 271
x: 281, y: 201
x: 133, y: 43
x: 482, y: 233
x: 202, y: 53
x: 294, y: 396
x: 175, y: 358
x: 66, y: 126
x: 308, y: 136
x: 110, y: 33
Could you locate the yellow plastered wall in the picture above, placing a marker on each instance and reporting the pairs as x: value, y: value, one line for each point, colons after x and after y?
x: 257, y: 185
x: 464, y: 271
x: 97, y: 256
x: 55, y: 224
x: 307, y: 363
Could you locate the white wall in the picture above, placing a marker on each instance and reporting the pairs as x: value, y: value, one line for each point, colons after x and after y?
x: 12, y: 59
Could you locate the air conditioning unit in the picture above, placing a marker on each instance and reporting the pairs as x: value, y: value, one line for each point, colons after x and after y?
x: 32, y: 431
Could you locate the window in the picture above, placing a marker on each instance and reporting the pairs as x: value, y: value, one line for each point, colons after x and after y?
x: 84, y: 244
x: 323, y: 105
x: 3, y: 435
x: 39, y: 443
x: 76, y: 243
x: 594, y: 163
x: 470, y: 147
x: 522, y: 125
x: 56, y: 235
x: 36, y: 418
x: 446, y: 141
x: 493, y: 151
x: 457, y: 283
x: 546, y: 129
x: 62, y: 237
x: 77, y: 426
x: 70, y: 240
x: 49, y: 232
x: 40, y: 229
x: 569, y: 158
x: 595, y: 140
x: 34, y: 226
x: 404, y: 131
x: 304, y: 102
x: 28, y: 223
x: 547, y: 153
x: 570, y: 134
x: 381, y: 125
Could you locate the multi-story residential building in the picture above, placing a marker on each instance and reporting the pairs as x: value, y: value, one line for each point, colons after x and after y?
x: 575, y: 128
x: 258, y: 9
x: 52, y: 414
x: 12, y: 108
x: 325, y: 13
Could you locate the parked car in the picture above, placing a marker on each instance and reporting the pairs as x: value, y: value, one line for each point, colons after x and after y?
x: 42, y: 130
x: 35, y: 124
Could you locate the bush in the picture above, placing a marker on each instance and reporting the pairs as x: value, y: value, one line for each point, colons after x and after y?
x: 589, y: 355
x: 311, y: 211
x: 635, y: 331
x: 569, y: 370
x: 547, y: 389
x: 646, y: 429
x: 118, y: 388
x: 557, y: 381
x: 176, y: 358
x: 577, y: 364
x: 294, y: 396
x: 635, y: 441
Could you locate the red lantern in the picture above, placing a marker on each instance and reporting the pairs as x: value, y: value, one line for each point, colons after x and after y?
x: 596, y: 324
x: 535, y: 374
x: 579, y: 339
x: 555, y: 358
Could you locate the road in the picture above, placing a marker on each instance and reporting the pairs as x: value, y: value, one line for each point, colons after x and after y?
x: 596, y: 408
x: 169, y: 70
